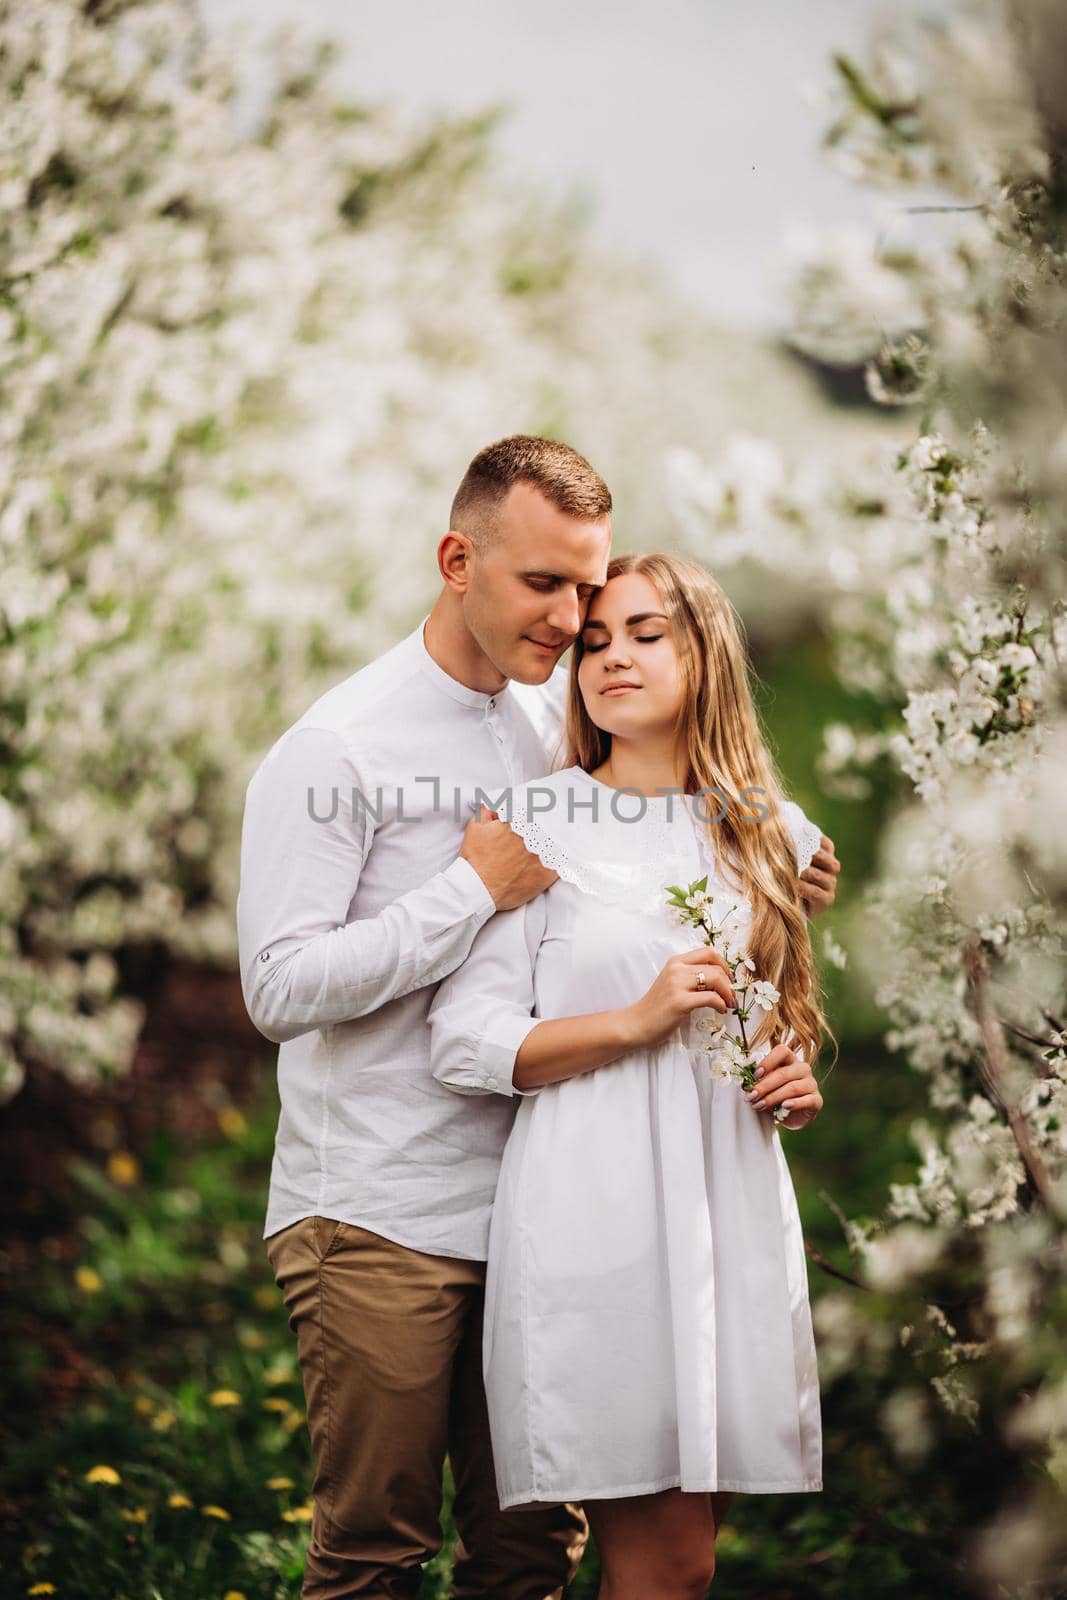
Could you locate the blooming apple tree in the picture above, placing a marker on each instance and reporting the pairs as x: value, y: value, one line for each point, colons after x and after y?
x: 248, y: 342
x: 939, y: 577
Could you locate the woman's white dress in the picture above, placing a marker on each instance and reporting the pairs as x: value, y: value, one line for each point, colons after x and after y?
x: 647, y: 1318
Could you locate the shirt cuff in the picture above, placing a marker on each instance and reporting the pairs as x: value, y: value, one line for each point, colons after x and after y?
x: 497, y: 1049
x: 462, y: 876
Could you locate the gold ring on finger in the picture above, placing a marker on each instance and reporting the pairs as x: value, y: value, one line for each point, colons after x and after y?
x: 701, y: 981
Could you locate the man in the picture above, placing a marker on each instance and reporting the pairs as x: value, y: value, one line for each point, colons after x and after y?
x: 368, y: 865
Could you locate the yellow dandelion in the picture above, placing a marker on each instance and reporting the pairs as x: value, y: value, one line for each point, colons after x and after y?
x: 136, y: 1514
x: 180, y: 1502
x: 217, y: 1512
x: 252, y: 1339
x: 265, y: 1297
x: 276, y: 1403
x: 102, y: 1475
x: 88, y: 1280
x: 41, y: 1588
x: 293, y: 1421
x: 298, y: 1514
x: 224, y: 1397
x: 123, y: 1168
x: 233, y: 1594
x: 232, y: 1123
x: 276, y: 1375
x: 279, y: 1483
x: 163, y: 1420
x: 143, y: 1406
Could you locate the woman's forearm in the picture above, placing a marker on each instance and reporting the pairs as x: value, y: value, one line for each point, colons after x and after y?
x: 562, y: 1047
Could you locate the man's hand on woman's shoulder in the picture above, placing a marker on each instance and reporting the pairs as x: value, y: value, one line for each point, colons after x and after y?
x: 510, y: 872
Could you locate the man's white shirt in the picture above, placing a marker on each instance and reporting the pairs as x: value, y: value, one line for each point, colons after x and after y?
x: 353, y: 906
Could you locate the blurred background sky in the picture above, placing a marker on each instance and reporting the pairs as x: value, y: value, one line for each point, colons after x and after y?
x: 683, y: 123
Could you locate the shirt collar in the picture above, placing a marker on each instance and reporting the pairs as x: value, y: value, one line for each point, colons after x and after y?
x: 444, y: 680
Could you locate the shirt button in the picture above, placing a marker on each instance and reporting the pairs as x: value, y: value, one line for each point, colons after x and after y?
x: 265, y: 956
x: 490, y: 1083
x: 492, y: 705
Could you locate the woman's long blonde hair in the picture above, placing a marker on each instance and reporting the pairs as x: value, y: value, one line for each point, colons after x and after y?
x: 720, y: 731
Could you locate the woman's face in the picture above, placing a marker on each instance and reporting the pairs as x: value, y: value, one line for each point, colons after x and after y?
x: 630, y: 675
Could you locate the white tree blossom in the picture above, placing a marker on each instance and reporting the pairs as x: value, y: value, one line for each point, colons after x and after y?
x: 245, y: 360
x: 939, y: 578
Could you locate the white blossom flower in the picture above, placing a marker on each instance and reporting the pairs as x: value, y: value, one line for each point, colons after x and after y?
x: 223, y: 444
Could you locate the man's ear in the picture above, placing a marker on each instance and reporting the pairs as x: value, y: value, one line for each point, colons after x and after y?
x: 454, y: 560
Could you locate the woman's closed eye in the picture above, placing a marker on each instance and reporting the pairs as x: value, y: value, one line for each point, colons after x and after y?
x: 591, y: 649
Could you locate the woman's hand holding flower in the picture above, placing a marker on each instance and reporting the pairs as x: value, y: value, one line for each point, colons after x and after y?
x: 692, y: 979
x: 786, y: 1080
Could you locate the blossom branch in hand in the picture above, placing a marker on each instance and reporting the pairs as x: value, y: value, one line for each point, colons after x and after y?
x: 715, y: 918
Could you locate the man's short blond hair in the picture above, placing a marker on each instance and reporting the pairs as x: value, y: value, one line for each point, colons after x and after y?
x: 563, y: 476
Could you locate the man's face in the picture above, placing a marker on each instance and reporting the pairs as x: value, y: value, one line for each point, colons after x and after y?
x: 528, y: 594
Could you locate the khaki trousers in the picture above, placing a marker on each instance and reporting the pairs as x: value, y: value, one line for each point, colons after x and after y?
x: 390, y: 1346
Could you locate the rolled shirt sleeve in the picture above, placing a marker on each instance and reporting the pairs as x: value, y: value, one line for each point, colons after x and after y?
x: 483, y: 1011
x: 302, y: 965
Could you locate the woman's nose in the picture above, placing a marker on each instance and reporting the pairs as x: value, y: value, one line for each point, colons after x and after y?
x: 615, y: 653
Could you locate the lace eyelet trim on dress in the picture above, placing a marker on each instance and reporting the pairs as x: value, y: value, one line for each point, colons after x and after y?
x: 806, y: 836
x: 640, y: 886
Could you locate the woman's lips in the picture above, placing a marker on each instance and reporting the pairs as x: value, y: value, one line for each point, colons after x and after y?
x: 621, y: 688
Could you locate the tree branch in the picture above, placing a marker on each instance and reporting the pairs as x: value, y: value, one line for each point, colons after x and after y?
x: 835, y: 1272
x: 995, y: 1069
x: 829, y: 1200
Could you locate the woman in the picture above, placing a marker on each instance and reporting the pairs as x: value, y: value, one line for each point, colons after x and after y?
x: 648, y: 1341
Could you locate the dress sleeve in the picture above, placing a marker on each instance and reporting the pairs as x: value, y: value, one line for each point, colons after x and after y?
x: 806, y: 834
x: 483, y: 1010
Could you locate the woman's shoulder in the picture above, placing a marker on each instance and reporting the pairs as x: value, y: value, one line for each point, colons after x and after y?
x: 558, y: 778
x: 625, y: 856
x: 544, y: 813
x: 554, y: 794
